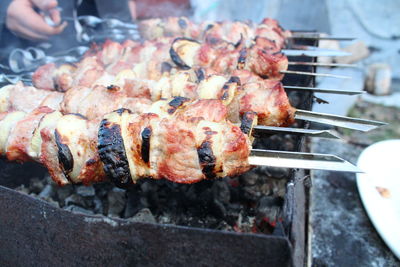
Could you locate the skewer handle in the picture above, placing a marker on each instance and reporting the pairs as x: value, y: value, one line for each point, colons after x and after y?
x: 311, y: 51
x: 316, y: 36
x: 314, y: 74
x: 324, y: 90
x: 269, y: 130
x: 340, y: 121
x: 298, y: 160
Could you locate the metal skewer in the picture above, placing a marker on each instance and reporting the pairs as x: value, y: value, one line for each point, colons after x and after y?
x: 318, y: 64
x: 314, y: 74
x: 310, y: 51
x: 318, y: 37
x: 340, y: 121
x: 298, y: 160
x: 270, y: 130
x: 324, y: 90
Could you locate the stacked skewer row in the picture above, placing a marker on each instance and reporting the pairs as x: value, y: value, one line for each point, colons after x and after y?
x: 183, y: 105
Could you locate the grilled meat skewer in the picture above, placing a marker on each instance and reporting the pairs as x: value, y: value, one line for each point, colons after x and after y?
x: 230, y: 31
x: 267, y: 98
x: 186, y: 144
x: 151, y: 59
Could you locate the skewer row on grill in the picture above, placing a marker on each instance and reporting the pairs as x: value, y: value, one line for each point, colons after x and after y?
x: 152, y: 59
x: 187, y: 141
x: 267, y: 98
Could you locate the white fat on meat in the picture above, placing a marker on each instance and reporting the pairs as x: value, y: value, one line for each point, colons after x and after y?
x: 6, y: 125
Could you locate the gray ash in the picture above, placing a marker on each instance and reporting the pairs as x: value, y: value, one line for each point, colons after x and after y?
x: 248, y: 203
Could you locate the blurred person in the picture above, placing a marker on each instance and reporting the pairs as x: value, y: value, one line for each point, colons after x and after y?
x: 25, y: 18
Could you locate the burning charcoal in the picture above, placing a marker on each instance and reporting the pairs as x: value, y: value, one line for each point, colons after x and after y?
x: 251, y: 193
x: 85, y: 191
x: 148, y: 187
x: 36, y: 185
x: 75, y: 199
x: 98, y: 205
x: 144, y: 202
x: 220, y: 190
x: 77, y: 209
x: 249, y: 178
x: 278, y: 187
x: 266, y: 188
x: 268, y: 210
x: 103, y: 189
x: 218, y: 208
x: 133, y: 204
x: 63, y: 192
x: 277, y: 173
x: 116, y: 201
x: 47, y: 193
x: 144, y: 215
x: 232, y: 214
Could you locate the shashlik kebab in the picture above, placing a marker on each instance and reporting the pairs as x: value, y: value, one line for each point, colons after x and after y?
x: 152, y: 59
x: 268, y: 31
x: 185, y: 144
x: 181, y: 140
x: 268, y: 34
x: 267, y: 98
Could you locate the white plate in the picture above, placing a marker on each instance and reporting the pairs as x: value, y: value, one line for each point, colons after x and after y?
x: 381, y: 164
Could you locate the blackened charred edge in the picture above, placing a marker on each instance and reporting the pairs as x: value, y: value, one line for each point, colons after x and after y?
x: 145, y: 151
x: 185, y: 39
x: 166, y: 67
x: 112, y: 153
x: 200, y: 74
x: 242, y: 58
x: 212, y: 40
x: 225, y: 90
x: 207, y: 159
x: 177, y: 60
x: 176, y: 103
x: 239, y: 42
x: 182, y: 23
x: 65, y: 158
x: 122, y: 110
x: 247, y: 122
x: 209, y: 27
x: 78, y: 114
x: 113, y: 87
x: 235, y: 79
x: 174, y: 55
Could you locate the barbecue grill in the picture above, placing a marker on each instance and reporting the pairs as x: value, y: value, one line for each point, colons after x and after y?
x: 55, y: 236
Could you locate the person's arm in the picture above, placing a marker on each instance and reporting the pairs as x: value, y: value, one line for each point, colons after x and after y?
x: 23, y: 20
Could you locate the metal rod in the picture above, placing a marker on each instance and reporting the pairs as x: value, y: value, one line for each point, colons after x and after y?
x: 318, y: 64
x: 324, y: 90
x: 314, y: 74
x: 340, y: 121
x: 269, y: 130
x: 311, y: 51
x: 317, y: 37
x: 300, y: 160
